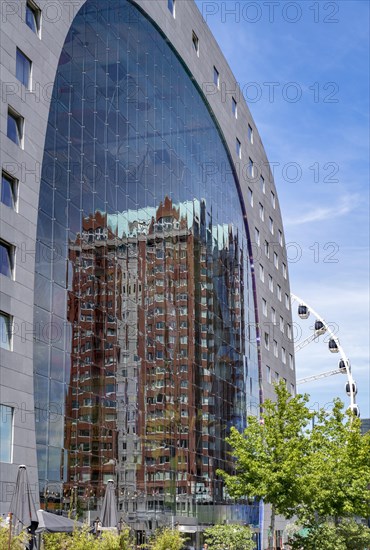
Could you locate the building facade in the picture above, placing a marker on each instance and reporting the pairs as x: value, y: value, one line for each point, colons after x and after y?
x: 144, y: 284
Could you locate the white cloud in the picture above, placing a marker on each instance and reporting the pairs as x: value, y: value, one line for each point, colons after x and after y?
x: 344, y: 206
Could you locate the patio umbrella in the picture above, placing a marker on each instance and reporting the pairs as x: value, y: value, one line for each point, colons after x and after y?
x: 51, y: 523
x: 108, y: 512
x: 22, y: 507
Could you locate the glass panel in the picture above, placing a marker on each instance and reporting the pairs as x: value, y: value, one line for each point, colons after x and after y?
x: 5, y: 260
x: 6, y: 433
x: 23, y: 69
x: 31, y: 18
x: 13, y: 131
x: 5, y: 331
x: 8, y: 191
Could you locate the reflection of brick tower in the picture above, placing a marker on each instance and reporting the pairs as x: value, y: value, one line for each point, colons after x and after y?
x: 94, y: 311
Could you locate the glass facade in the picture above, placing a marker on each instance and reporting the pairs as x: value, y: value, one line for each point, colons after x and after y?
x: 145, y: 339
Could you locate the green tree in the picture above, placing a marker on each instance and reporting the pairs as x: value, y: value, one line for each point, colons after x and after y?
x: 83, y: 540
x: 270, y: 453
x: 229, y: 537
x: 167, y: 539
x: 346, y: 535
x: 336, y: 473
x: 16, y: 543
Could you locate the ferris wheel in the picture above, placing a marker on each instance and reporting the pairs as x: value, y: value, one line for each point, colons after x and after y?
x: 319, y: 328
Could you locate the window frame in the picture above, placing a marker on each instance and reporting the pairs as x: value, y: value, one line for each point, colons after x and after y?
x: 11, y: 258
x: 36, y: 13
x: 19, y: 121
x: 9, y: 323
x: 13, y: 184
x: 20, y: 55
x: 8, y: 459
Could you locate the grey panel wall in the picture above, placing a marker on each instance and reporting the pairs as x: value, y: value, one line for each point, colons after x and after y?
x: 19, y: 227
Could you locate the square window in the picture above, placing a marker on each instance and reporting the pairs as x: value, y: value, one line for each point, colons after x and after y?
x: 234, y: 107
x: 33, y: 17
x: 250, y: 134
x: 6, y: 433
x: 8, y: 192
x: 6, y: 259
x: 15, y: 127
x: 6, y: 323
x: 23, y: 69
x: 238, y: 148
x: 195, y: 41
x: 171, y: 6
x: 216, y: 78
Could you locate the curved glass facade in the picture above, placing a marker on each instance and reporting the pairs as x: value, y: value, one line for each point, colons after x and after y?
x: 145, y: 350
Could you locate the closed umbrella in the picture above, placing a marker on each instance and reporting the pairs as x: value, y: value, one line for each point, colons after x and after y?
x: 108, y: 512
x: 22, y: 507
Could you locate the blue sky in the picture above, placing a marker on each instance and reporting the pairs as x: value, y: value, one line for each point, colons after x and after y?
x: 317, y: 52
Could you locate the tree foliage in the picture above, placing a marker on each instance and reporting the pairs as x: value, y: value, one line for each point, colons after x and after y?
x: 167, y: 539
x: 17, y: 542
x: 314, y: 472
x: 229, y: 537
x: 83, y: 540
x: 347, y: 535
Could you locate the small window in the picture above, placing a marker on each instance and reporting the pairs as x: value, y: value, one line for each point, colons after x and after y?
x: 273, y: 315
x: 276, y: 260
x: 216, y: 77
x: 267, y: 340
x: 268, y: 374
x: 271, y: 225
x: 280, y: 238
x: 6, y: 259
x: 250, y: 196
x: 262, y: 273
x: 287, y: 301
x: 289, y: 332
x: 257, y: 236
x: 281, y: 324
x: 276, y: 349
x: 250, y: 168
x: 195, y: 41
x: 238, y: 148
x: 23, y: 69
x: 277, y: 376
x: 262, y: 184
x: 262, y: 211
x: 6, y: 322
x: 267, y: 249
x: 264, y: 307
x: 171, y: 6
x: 283, y: 355
x: 292, y: 389
x: 250, y: 133
x: 6, y: 433
x: 285, y: 272
x: 291, y: 361
x: 278, y: 292
x: 15, y: 127
x: 273, y: 199
x: 271, y: 283
x: 33, y: 17
x: 234, y: 107
x: 8, y: 193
